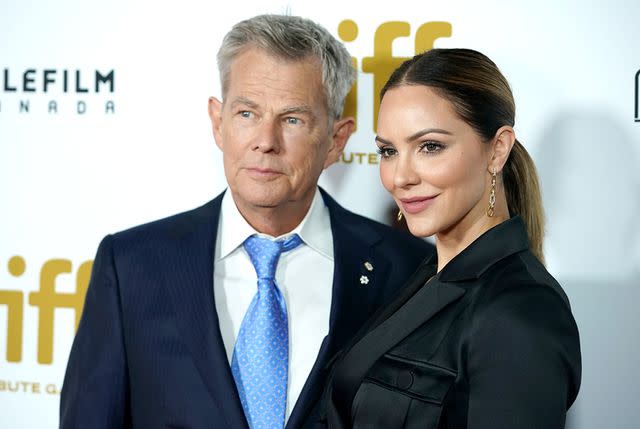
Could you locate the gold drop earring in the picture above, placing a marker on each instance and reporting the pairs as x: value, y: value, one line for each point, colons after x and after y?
x: 492, y: 195
x: 399, y: 217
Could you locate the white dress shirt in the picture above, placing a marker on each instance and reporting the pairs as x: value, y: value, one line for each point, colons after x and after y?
x: 304, y: 276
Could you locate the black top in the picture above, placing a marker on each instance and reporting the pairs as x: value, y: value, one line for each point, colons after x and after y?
x: 489, y: 342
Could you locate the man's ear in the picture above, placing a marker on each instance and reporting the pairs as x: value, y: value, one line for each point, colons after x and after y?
x: 501, y: 147
x: 215, y: 114
x: 341, y: 132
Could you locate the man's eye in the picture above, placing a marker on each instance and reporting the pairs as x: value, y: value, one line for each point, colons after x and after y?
x: 244, y: 113
x: 292, y: 121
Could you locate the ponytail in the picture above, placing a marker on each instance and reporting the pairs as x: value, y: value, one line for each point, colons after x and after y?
x: 522, y: 189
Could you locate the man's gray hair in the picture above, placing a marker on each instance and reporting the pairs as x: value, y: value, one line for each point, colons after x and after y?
x: 292, y: 38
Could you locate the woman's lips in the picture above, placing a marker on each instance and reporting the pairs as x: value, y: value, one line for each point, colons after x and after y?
x: 417, y: 204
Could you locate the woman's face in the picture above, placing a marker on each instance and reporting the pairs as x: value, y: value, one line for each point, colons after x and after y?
x: 433, y: 163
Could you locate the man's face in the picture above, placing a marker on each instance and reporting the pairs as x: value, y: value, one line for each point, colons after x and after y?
x: 275, y: 131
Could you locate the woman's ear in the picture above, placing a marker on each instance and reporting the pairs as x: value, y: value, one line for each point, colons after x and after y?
x: 501, y: 147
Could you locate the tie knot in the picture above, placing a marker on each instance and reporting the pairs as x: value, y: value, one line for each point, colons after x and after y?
x: 264, y: 253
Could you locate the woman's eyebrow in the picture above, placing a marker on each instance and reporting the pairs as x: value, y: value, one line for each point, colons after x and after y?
x: 428, y: 131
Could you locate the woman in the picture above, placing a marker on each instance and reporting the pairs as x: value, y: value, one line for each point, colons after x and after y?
x: 484, y: 336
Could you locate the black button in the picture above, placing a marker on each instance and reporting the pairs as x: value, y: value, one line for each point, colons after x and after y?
x: 404, y: 380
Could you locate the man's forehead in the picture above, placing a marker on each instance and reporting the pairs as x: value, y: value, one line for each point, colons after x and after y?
x: 257, y: 63
x: 265, y: 81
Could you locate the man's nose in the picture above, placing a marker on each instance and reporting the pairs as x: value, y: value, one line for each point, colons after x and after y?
x: 268, y: 136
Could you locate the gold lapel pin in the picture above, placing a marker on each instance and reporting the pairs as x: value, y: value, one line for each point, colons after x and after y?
x: 368, y: 266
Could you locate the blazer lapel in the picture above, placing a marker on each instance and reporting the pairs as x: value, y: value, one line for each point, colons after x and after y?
x: 358, y: 271
x: 190, y: 288
x: 403, y: 317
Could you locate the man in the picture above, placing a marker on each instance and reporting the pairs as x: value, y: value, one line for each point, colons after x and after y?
x: 175, y: 332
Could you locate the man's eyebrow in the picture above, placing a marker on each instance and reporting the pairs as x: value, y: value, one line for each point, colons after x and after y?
x: 303, y: 108
x: 244, y: 101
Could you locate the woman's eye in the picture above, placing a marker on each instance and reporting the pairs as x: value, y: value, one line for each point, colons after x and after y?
x: 386, y: 152
x: 430, y: 147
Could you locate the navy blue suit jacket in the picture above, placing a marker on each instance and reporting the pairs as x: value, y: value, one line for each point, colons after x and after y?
x: 148, y: 352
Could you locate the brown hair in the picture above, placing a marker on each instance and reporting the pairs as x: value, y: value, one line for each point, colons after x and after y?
x: 481, y: 95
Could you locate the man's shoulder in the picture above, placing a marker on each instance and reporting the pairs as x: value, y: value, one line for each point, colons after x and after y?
x: 401, y: 241
x: 173, y: 227
x: 391, y: 236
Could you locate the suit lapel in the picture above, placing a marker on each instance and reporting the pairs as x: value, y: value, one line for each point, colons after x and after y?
x: 190, y: 287
x: 353, y: 297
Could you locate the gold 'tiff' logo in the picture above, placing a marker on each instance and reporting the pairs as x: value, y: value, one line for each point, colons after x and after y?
x: 383, y: 63
x: 47, y: 299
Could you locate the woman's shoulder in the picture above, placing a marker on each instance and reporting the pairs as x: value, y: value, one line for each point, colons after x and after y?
x: 520, y: 332
x: 520, y: 274
x: 519, y: 298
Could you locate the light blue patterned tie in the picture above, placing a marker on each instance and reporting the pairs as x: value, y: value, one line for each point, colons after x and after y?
x: 260, y: 363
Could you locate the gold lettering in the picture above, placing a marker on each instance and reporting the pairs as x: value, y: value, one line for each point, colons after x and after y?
x: 13, y: 300
x: 21, y: 386
x: 371, y: 158
x: 428, y: 33
x: 51, y: 389
x: 348, y: 32
x: 382, y: 63
x: 15, y: 311
x: 344, y: 159
x: 47, y: 300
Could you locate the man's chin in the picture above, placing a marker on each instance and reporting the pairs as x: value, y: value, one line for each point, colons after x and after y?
x: 260, y: 198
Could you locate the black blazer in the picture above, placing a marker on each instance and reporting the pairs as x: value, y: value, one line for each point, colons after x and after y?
x: 148, y: 352
x: 488, y: 343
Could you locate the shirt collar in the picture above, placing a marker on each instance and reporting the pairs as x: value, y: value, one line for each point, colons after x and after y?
x: 314, y: 230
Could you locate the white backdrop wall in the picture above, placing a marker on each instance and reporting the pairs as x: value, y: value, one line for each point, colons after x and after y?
x: 103, y: 125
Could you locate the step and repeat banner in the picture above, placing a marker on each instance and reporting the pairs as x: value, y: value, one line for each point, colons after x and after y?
x: 103, y: 125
